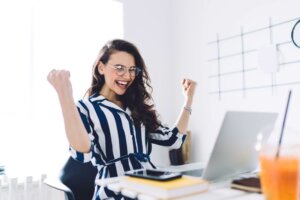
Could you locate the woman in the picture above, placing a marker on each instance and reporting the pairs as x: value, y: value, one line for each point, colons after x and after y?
x: 116, y: 123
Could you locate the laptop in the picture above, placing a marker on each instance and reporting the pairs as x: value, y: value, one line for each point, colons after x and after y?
x: 235, y: 150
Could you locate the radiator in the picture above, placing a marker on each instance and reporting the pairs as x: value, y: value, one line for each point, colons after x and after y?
x: 27, y: 189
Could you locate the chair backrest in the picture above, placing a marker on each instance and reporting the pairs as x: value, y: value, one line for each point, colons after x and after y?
x: 80, y: 178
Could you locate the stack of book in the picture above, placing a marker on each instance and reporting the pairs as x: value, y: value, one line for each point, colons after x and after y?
x: 171, y: 189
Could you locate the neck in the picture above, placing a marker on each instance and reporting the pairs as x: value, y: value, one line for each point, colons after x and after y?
x: 114, y: 99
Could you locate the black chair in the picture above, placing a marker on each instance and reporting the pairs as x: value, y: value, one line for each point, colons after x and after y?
x: 77, y: 180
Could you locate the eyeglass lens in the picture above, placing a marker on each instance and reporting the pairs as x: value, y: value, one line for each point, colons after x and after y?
x: 121, y: 70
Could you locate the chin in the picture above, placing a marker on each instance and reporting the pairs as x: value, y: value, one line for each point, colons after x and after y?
x: 120, y: 93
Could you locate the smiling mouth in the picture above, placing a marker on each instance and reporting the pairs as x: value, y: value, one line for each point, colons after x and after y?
x: 123, y: 84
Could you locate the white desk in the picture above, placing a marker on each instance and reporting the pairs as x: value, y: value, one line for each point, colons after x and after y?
x: 216, y: 191
x: 222, y: 191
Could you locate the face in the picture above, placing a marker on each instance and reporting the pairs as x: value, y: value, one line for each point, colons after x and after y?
x: 116, y: 81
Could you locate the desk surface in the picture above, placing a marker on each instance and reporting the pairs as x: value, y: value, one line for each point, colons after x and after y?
x: 222, y: 191
x: 216, y: 191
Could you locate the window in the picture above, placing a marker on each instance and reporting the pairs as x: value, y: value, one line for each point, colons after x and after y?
x: 37, y: 36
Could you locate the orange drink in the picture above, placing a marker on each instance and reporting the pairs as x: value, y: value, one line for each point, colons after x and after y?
x: 280, y: 175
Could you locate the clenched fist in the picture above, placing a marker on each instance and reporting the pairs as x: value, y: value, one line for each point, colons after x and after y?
x: 60, y: 80
x: 189, y: 87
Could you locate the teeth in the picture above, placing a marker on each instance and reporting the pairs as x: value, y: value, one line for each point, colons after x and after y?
x: 122, y: 82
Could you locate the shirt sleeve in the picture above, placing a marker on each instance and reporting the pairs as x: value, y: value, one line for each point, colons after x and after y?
x: 80, y: 156
x: 165, y: 136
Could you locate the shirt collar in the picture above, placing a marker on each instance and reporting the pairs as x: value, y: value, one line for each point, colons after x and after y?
x: 108, y: 103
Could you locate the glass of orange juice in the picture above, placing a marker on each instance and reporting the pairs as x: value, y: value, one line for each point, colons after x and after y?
x: 280, y: 174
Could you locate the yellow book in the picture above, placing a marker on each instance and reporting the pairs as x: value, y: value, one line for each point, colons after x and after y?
x: 179, y: 187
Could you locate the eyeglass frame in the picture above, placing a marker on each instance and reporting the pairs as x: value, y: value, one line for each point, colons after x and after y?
x: 115, y: 67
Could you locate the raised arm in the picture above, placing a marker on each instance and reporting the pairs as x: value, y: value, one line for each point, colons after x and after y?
x: 74, y: 127
x: 189, y: 87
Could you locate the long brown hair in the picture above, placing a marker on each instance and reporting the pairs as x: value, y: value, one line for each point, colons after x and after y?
x: 136, y: 97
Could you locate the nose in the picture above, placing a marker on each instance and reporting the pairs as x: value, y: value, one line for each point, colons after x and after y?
x: 127, y: 74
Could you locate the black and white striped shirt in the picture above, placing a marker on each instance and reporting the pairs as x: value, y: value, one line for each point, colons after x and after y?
x: 117, y: 144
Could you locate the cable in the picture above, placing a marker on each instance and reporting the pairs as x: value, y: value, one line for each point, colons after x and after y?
x: 292, y: 34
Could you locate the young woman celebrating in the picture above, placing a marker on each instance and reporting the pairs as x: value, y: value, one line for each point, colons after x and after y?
x: 114, y: 125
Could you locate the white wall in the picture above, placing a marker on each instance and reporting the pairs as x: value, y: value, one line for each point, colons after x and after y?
x: 173, y: 36
x: 197, y: 23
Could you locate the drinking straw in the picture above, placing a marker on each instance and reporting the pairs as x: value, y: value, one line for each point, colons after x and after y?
x: 283, y: 124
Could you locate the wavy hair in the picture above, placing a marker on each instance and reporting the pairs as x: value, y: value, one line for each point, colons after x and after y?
x: 136, y: 97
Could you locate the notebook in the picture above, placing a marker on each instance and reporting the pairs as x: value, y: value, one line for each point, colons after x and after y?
x: 249, y: 184
x: 235, y: 150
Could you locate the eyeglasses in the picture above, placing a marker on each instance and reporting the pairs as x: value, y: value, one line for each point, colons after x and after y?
x: 121, y: 69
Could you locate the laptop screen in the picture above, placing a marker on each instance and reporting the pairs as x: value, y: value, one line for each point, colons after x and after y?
x: 234, y: 150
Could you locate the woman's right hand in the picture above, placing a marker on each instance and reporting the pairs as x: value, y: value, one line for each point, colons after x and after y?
x: 60, y: 80
x: 75, y: 130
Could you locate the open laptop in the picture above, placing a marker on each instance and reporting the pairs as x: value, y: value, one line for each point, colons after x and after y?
x: 234, y: 150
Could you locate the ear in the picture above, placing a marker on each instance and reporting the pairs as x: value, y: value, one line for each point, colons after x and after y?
x: 101, y: 67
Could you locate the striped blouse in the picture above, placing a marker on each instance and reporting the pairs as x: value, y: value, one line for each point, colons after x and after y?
x: 117, y: 144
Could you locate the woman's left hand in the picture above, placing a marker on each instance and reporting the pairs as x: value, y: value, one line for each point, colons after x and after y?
x: 188, y: 90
